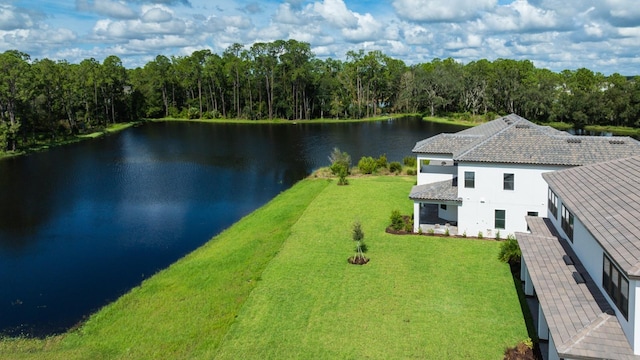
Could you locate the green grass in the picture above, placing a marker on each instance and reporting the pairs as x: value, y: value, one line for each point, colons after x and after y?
x: 559, y: 125
x: 285, y: 121
x: 452, y: 121
x: 616, y: 130
x: 109, y: 129
x: 277, y: 285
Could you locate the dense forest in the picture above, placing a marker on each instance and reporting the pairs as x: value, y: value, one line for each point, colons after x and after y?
x: 45, y: 99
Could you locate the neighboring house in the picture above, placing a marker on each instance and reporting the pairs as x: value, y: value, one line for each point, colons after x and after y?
x: 487, y: 178
x: 582, y: 262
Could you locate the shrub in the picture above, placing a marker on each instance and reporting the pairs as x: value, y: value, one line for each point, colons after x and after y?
x: 397, y: 223
x: 480, y: 236
x: 464, y: 234
x: 510, y: 251
x: 498, y: 235
x: 430, y: 231
x: 522, y: 351
x: 408, y: 226
x: 409, y: 161
x: 395, y: 167
x: 411, y: 171
x: 340, y: 164
x: 341, y: 171
x: 446, y: 232
x: 382, y: 163
x: 367, y: 165
x: 358, y: 236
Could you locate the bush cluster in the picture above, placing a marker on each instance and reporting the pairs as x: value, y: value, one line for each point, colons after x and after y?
x: 510, y: 251
x: 369, y: 165
x: 395, y: 167
x: 409, y: 161
x: 397, y: 222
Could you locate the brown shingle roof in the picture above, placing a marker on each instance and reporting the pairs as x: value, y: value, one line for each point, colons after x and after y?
x: 578, y: 315
x: 605, y: 197
x: 513, y: 139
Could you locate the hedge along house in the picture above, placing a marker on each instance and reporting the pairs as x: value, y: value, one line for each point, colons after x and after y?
x: 582, y: 262
x: 487, y: 178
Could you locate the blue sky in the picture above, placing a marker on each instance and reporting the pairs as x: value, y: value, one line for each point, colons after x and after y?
x: 602, y: 35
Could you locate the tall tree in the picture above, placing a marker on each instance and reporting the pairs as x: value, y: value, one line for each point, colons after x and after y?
x: 15, y: 87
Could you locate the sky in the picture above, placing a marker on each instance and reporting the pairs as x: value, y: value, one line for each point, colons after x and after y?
x: 601, y: 35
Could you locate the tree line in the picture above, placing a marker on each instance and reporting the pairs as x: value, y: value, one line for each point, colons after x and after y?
x: 46, y: 99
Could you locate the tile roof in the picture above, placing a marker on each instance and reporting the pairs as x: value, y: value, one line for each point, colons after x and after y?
x: 579, y: 317
x: 605, y: 197
x: 513, y: 139
x: 446, y: 190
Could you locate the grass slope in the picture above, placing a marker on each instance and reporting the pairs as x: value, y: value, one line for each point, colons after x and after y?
x: 418, y: 297
x: 277, y: 285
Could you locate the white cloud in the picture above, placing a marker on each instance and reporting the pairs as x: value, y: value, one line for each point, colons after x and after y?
x: 114, y: 9
x: 156, y: 14
x: 12, y: 18
x: 108, y: 29
x: 624, y: 12
x: 519, y: 16
x: 287, y: 15
x: 367, y: 29
x: 441, y: 10
x: 227, y: 23
x: 336, y: 13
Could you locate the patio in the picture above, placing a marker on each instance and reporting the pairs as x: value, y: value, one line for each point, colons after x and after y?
x: 429, y: 220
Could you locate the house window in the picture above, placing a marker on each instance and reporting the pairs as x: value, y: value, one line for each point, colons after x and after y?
x: 501, y: 219
x: 443, y: 206
x: 469, y: 179
x: 553, y: 203
x: 423, y: 165
x: 508, y: 181
x: 567, y: 222
x: 616, y: 285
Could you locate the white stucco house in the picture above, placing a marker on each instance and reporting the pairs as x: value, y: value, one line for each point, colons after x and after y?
x: 488, y: 178
x: 582, y: 262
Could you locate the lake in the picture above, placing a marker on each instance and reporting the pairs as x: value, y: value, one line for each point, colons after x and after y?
x: 82, y: 224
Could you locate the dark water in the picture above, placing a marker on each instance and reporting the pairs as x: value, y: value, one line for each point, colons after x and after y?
x: 82, y: 224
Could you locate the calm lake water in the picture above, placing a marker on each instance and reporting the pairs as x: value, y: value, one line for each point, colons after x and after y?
x: 82, y: 224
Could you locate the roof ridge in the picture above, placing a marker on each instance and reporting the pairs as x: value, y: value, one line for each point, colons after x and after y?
x: 515, y: 122
x: 584, y: 332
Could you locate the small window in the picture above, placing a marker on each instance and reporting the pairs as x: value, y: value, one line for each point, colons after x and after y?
x: 469, y: 179
x: 501, y: 219
x: 443, y: 206
x: 616, y: 285
x: 567, y: 222
x: 508, y: 182
x: 423, y: 165
x: 532, y: 213
x: 553, y: 203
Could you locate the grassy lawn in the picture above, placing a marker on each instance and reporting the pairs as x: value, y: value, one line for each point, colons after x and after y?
x: 277, y: 285
x: 616, y: 130
x: 286, y: 121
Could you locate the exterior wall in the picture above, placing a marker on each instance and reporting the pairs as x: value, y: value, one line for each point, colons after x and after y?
x: 634, y: 316
x: 479, y: 204
x: 435, y: 172
x: 553, y: 353
x: 416, y: 216
x: 450, y: 214
x: 591, y: 254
